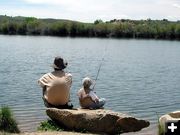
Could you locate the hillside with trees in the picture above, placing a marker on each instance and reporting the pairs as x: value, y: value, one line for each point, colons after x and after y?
x: 124, y: 28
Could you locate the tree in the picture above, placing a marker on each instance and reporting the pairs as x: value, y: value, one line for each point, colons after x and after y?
x: 98, y: 21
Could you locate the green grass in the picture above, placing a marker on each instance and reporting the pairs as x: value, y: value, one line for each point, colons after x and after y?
x: 7, y: 121
x: 160, y: 127
x: 49, y: 125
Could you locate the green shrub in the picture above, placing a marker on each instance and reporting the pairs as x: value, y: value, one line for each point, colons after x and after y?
x: 161, y: 130
x: 7, y: 121
x: 49, y: 125
x: 160, y: 127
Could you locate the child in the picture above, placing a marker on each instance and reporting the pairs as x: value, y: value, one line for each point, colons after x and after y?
x: 87, y: 97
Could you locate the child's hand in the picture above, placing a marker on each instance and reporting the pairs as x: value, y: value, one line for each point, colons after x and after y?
x: 96, y: 100
x: 87, y: 95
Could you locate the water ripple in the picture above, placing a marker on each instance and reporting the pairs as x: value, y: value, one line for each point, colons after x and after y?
x: 138, y: 77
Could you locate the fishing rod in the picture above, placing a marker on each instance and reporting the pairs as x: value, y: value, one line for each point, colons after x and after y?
x: 97, y: 74
x: 99, y: 68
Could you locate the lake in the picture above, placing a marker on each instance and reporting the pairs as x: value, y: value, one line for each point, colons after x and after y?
x: 137, y: 77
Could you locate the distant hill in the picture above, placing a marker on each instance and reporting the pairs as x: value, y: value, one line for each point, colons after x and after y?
x: 117, y: 28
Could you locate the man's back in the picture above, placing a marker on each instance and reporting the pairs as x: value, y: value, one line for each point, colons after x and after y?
x: 58, y: 85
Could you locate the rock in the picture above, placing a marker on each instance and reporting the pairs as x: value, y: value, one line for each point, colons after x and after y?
x: 173, y: 116
x: 96, y: 121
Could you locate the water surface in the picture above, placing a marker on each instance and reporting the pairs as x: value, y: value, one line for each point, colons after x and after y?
x: 137, y: 77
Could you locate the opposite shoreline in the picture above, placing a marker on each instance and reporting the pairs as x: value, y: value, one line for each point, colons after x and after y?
x: 117, y: 28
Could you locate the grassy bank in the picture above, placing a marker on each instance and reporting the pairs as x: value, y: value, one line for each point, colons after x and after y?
x: 7, y: 121
x: 8, y: 126
x: 50, y: 125
x: 152, y: 29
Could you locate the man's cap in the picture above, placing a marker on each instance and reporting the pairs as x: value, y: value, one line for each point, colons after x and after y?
x: 59, y: 63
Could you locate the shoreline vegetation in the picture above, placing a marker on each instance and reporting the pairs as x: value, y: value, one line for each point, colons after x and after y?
x: 9, y: 126
x: 7, y: 121
x: 124, y: 28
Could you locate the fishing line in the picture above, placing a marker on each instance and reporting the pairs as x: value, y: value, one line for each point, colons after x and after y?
x: 99, y: 69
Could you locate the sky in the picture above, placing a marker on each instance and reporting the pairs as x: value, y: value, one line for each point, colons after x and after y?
x: 90, y: 10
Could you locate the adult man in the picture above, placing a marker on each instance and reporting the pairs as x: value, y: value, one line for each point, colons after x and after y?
x: 56, y: 85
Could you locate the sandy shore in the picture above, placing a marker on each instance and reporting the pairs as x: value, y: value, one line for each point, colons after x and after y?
x: 77, y: 133
x: 49, y: 133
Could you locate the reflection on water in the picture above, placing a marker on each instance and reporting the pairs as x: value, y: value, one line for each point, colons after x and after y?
x: 138, y: 77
